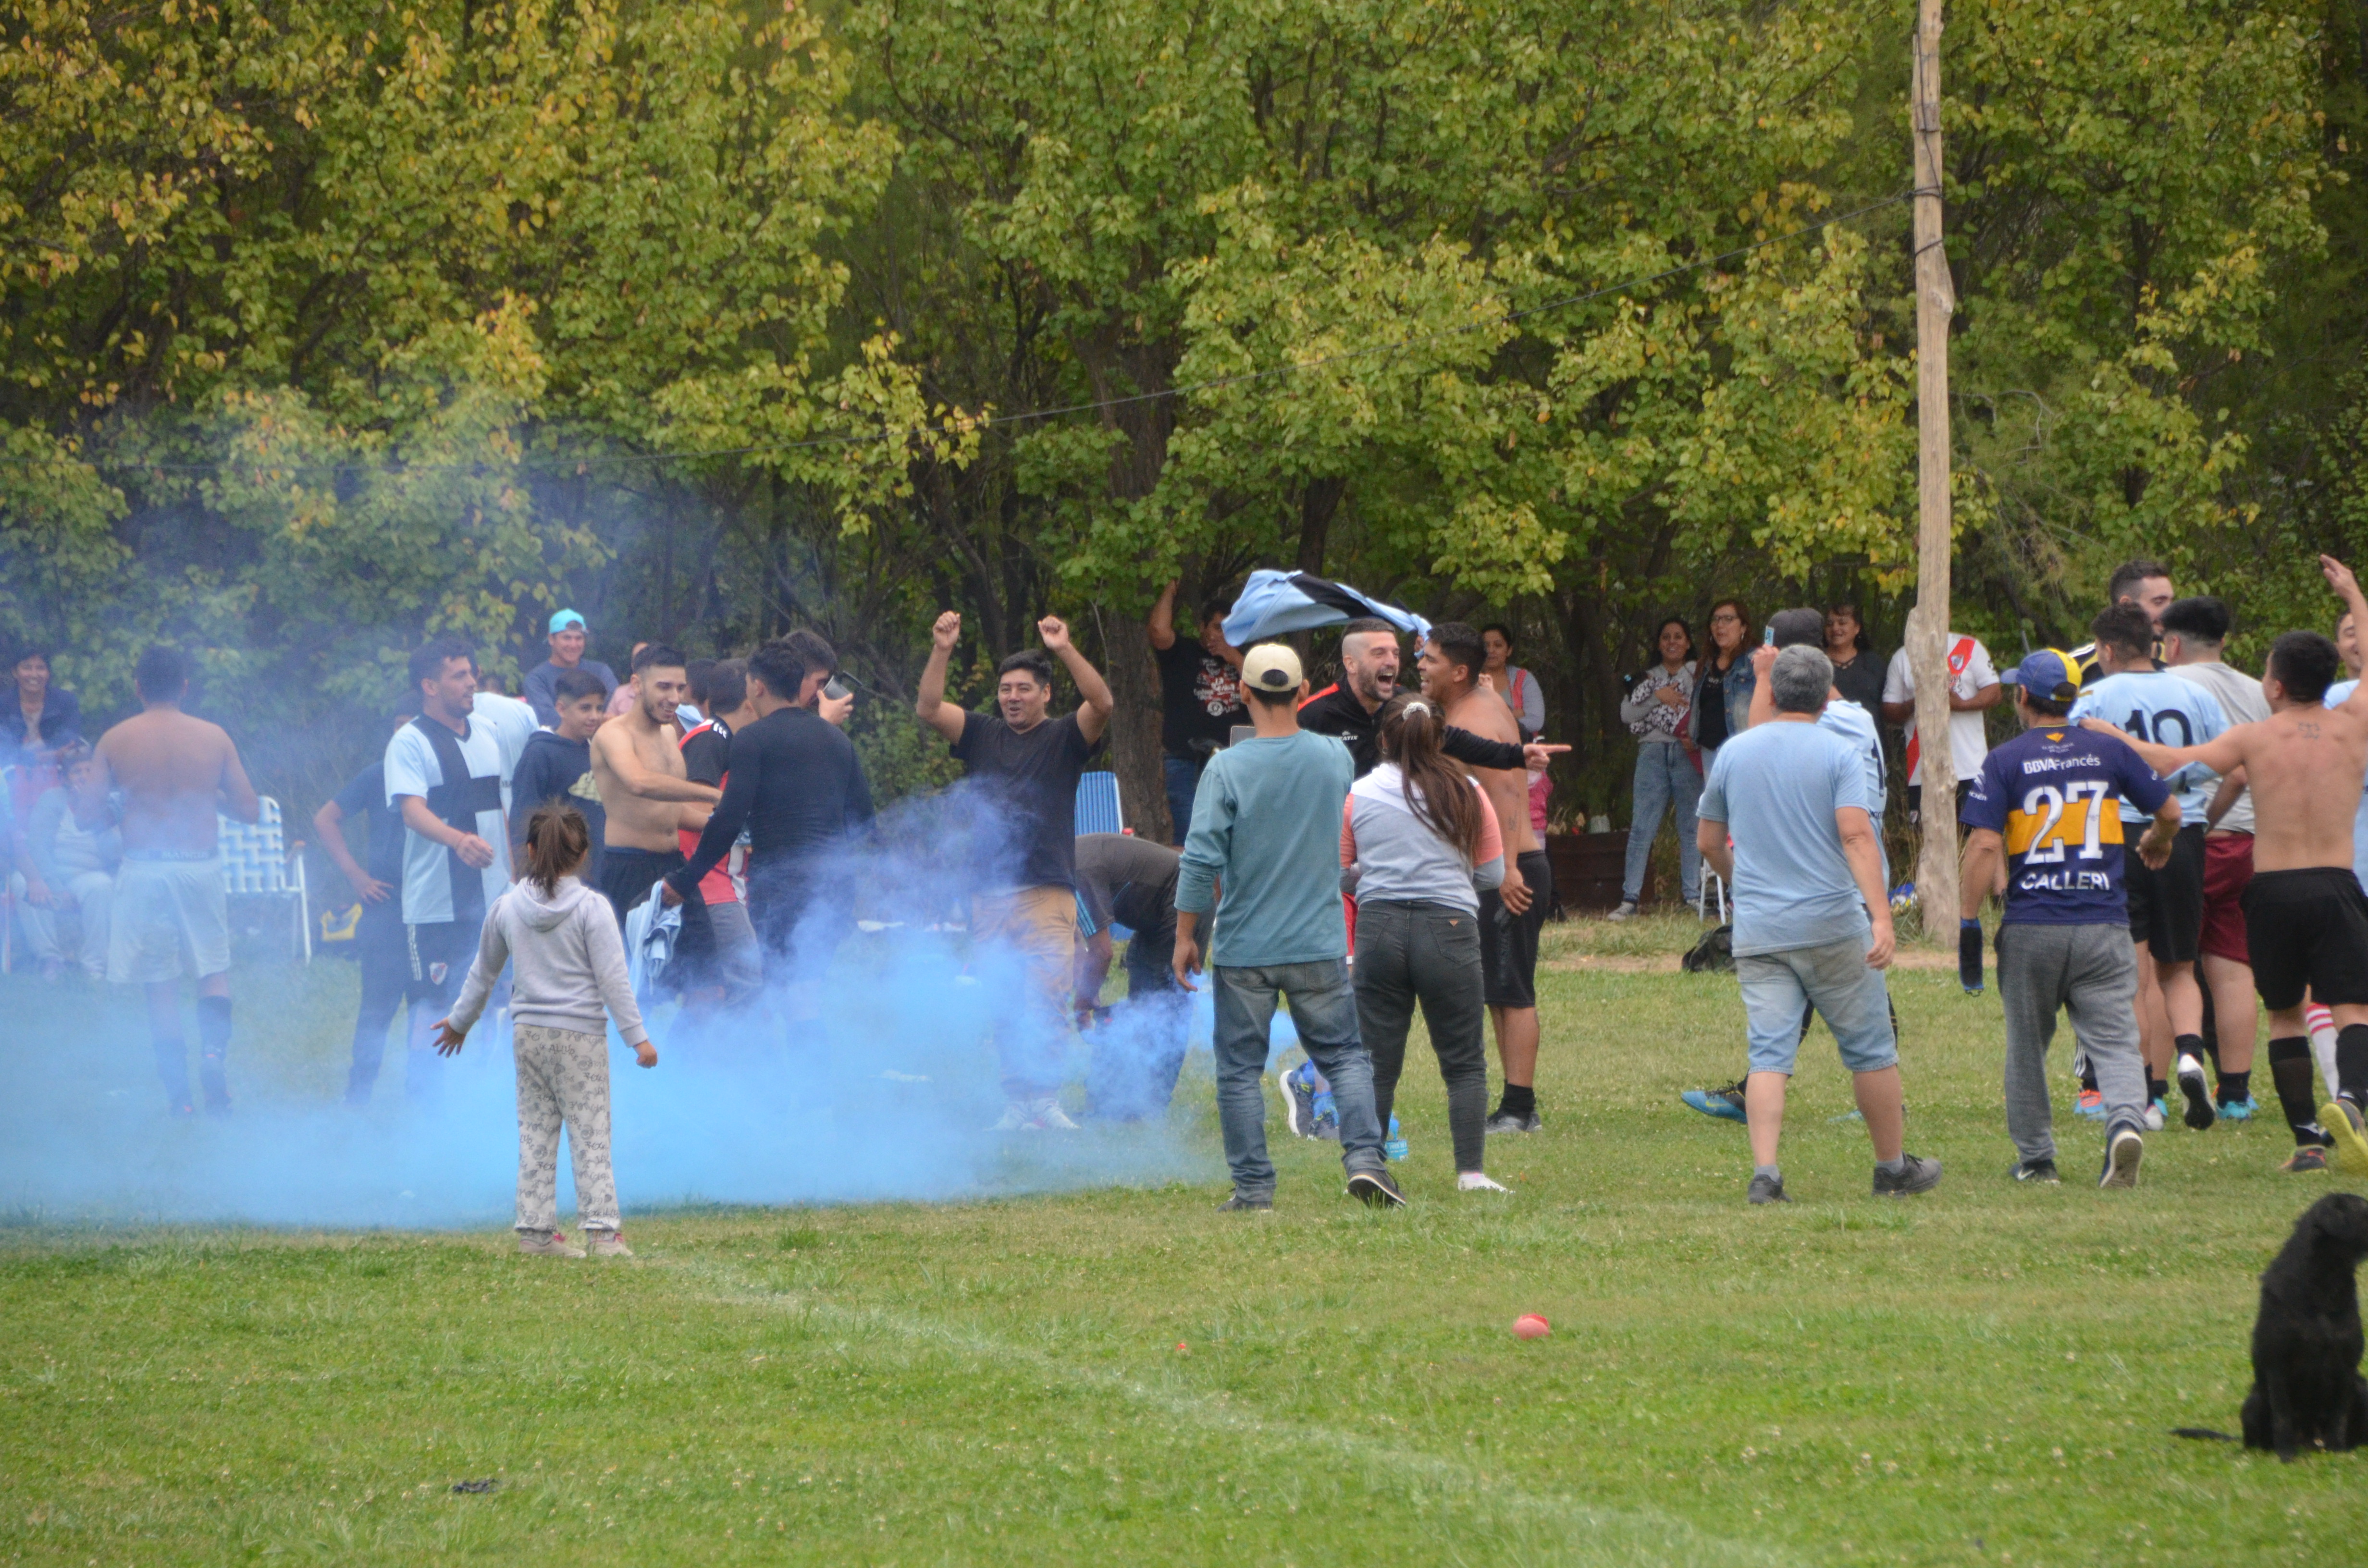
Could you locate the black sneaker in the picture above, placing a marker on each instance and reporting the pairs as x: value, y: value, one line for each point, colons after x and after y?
x: 1376, y: 1188
x: 1768, y: 1189
x: 2036, y: 1170
x: 2123, y: 1149
x: 2199, y: 1114
x: 1505, y: 1121
x: 1919, y: 1175
x: 1239, y: 1204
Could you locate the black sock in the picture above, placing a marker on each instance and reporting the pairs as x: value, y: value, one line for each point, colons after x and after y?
x: 2187, y: 1045
x: 2352, y: 1063
x: 2235, y: 1086
x: 2157, y: 1088
x: 2290, y: 1071
x: 2089, y: 1075
x: 1519, y: 1100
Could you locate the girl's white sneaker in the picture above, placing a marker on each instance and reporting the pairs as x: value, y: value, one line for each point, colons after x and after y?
x: 546, y: 1244
x: 607, y: 1243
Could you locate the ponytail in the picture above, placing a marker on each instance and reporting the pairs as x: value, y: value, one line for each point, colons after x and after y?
x: 558, y: 841
x: 1438, y: 793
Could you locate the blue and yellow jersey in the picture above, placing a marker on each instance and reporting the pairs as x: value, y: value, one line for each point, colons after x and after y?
x: 2057, y: 796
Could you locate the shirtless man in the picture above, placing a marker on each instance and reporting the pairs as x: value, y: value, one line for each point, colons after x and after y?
x: 637, y: 763
x: 2305, y: 915
x: 170, y: 918
x: 1513, y: 915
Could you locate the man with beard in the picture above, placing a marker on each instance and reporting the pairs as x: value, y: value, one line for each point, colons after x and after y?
x: 637, y: 764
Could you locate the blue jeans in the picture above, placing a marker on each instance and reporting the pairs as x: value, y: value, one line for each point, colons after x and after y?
x: 1665, y: 778
x: 1833, y: 978
x: 1323, y: 1011
x: 1181, y: 775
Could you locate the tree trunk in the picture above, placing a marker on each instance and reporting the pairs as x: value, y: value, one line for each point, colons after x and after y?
x: 1936, y: 862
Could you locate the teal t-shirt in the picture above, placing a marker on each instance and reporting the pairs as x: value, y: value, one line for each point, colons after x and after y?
x: 1266, y: 826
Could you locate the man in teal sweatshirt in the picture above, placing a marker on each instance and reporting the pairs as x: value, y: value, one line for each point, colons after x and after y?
x: 1265, y: 829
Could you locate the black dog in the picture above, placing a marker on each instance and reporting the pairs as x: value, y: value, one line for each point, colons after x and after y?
x: 2306, y: 1342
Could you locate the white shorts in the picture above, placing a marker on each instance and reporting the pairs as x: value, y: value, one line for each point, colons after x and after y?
x: 170, y: 919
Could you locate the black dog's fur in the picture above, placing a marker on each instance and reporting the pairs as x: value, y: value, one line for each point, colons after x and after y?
x: 2306, y: 1342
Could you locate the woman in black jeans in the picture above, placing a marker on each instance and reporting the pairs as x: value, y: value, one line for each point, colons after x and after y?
x: 1417, y: 840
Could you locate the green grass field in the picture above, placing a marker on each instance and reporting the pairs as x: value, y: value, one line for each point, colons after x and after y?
x: 1985, y: 1375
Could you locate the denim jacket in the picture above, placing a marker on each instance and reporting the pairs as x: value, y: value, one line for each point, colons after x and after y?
x: 1740, y: 680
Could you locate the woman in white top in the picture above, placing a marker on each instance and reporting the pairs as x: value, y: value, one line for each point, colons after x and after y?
x: 1419, y: 839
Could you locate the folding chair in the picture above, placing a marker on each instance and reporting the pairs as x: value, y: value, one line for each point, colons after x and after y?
x: 1099, y: 809
x: 259, y: 862
x: 1701, y: 900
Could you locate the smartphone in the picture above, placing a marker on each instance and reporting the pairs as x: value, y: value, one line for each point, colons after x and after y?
x: 1768, y: 638
x: 835, y: 688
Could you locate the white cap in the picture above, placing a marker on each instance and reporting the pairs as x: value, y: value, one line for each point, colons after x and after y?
x: 1272, y: 667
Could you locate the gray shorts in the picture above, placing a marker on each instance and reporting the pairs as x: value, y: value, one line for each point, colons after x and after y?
x: 171, y: 918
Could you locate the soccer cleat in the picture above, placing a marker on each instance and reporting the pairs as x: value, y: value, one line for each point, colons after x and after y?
x: 1725, y: 1104
x: 2309, y: 1157
x: 2341, y: 1119
x: 2199, y: 1114
x: 2155, y: 1117
x: 1376, y: 1190
x: 1237, y: 1204
x: 1627, y: 911
x: 2122, y: 1151
x: 1393, y: 1146
x: 1477, y: 1181
x: 2238, y: 1111
x: 1921, y: 1176
x: 607, y: 1243
x: 546, y: 1244
x: 1505, y: 1121
x: 2040, y: 1171
x: 2091, y: 1104
x: 1298, y: 1102
x: 1767, y: 1189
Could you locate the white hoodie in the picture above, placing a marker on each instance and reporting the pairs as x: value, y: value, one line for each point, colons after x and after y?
x: 571, y: 962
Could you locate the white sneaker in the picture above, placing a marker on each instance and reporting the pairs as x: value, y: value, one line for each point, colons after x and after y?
x: 546, y: 1244
x: 1627, y: 911
x: 1477, y: 1181
x: 607, y: 1243
x: 1048, y: 1117
x: 2153, y: 1116
x: 1018, y: 1115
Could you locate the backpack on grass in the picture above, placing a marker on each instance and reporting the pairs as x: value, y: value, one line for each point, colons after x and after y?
x: 1714, y: 954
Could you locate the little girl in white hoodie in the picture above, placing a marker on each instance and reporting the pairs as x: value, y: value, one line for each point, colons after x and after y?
x: 570, y: 983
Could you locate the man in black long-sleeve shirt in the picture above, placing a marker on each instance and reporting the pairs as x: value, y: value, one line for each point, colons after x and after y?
x: 795, y: 784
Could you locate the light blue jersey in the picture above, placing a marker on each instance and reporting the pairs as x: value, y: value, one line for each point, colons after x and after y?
x: 2337, y: 695
x: 2155, y: 705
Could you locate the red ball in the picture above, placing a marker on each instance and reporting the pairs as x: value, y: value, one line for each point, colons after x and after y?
x: 1531, y: 1325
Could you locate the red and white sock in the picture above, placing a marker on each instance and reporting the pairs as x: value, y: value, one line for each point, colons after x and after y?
x: 2320, y: 1020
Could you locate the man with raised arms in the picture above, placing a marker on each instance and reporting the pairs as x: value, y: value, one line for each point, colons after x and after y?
x: 1510, y: 916
x: 170, y: 918
x: 637, y: 764
x: 2306, y: 914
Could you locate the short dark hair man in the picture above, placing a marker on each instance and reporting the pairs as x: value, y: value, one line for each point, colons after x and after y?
x: 2049, y: 800
x: 568, y: 640
x: 169, y: 915
x: 637, y: 763
x: 2142, y: 582
x: 1200, y: 698
x: 444, y: 778
x: 379, y: 949
x: 1028, y: 764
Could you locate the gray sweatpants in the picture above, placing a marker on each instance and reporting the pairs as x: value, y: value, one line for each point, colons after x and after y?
x: 2090, y: 972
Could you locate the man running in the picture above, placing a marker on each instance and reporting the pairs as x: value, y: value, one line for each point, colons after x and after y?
x: 637, y: 765
x: 444, y: 779
x: 2306, y: 914
x: 2050, y: 799
x: 2165, y: 906
x: 568, y: 640
x: 1510, y: 916
x: 170, y: 915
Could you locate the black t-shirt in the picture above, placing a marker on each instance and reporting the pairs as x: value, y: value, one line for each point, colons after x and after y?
x: 1860, y: 680
x: 1126, y: 880
x: 706, y: 752
x: 1710, y: 706
x: 792, y: 780
x: 1200, y: 700
x: 1036, y: 774
x: 1335, y: 711
x: 366, y: 792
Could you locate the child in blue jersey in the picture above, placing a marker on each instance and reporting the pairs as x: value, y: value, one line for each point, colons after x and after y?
x: 2165, y: 906
x: 2054, y: 799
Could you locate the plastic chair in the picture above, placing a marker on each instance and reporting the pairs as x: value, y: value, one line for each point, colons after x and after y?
x: 1098, y: 807
x: 259, y: 862
x: 1701, y: 900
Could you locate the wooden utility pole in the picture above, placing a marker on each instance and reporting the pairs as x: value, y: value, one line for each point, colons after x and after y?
x: 1928, y: 624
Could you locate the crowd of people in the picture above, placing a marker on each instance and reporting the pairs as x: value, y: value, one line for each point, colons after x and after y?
x: 1355, y: 853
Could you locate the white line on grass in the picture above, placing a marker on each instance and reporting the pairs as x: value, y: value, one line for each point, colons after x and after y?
x: 1616, y: 1535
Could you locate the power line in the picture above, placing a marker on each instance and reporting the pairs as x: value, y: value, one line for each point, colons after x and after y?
x: 1214, y: 383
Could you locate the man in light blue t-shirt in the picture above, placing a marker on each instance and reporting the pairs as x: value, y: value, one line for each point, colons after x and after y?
x: 1812, y: 926
x: 1265, y: 828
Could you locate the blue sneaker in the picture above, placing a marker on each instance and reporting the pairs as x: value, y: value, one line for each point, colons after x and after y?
x: 1327, y: 1116
x: 1725, y: 1104
x: 1395, y: 1145
x: 2238, y: 1111
x: 1298, y: 1099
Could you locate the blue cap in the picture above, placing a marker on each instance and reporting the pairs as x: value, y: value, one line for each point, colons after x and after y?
x: 567, y: 620
x: 2049, y: 675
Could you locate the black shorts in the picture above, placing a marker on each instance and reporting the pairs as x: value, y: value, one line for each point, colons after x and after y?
x: 2167, y: 907
x: 2307, y: 930
x: 1916, y: 801
x: 436, y: 958
x: 628, y: 875
x: 1508, y: 942
x: 381, y: 948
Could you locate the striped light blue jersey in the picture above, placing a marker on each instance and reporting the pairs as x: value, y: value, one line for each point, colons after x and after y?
x: 2155, y: 705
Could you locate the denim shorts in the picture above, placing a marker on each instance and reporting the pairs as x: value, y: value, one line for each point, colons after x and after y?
x: 1835, y: 980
